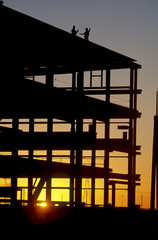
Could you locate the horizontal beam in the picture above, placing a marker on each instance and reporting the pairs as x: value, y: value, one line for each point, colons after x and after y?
x: 36, y: 140
x: 67, y: 140
x: 103, y: 91
x: 114, y: 92
x: 37, y: 71
x: 19, y: 167
x: 5, y: 191
x: 122, y: 182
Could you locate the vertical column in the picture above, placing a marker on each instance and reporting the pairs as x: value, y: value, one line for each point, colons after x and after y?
x: 71, y: 177
x: 154, y: 163
x: 50, y: 83
x: 78, y: 186
x: 131, y: 188
x: 93, y: 168
x: 79, y: 129
x: 101, y: 78
x: 72, y: 150
x: 134, y: 133
x: 80, y: 77
x: 30, y: 183
x: 107, y: 136
x: 72, y: 153
x: 14, y: 155
x: 49, y: 162
x: 49, y: 78
x: 113, y: 194
x: 91, y: 78
x: 73, y: 81
x: 154, y: 176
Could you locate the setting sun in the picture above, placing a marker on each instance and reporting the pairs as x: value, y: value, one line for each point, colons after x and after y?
x: 43, y: 204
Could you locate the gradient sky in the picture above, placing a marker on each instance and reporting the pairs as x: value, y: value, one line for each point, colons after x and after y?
x: 125, y: 26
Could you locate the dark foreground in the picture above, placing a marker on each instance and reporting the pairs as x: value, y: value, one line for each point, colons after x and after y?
x: 71, y: 223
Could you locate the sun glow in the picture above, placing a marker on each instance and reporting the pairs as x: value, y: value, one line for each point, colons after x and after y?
x: 43, y: 204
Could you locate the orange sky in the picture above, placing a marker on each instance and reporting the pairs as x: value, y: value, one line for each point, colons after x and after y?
x: 125, y: 26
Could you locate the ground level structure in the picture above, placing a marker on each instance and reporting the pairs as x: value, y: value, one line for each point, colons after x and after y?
x: 59, y: 128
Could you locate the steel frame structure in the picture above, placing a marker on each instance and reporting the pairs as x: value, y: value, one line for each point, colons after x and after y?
x: 76, y: 106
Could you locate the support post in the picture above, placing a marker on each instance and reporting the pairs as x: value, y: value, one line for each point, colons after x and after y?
x: 49, y: 78
x: 72, y: 167
x: 134, y: 134
x: 131, y: 187
x: 93, y: 167
x: 14, y: 154
x: 49, y: 162
x: 154, y: 176
x: 113, y: 194
x: 73, y: 81
x: 107, y: 135
x: 80, y: 78
x: 49, y: 83
x: 79, y: 130
x: 30, y: 183
x: 78, y: 186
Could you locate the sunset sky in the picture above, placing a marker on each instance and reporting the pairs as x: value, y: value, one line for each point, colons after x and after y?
x: 125, y: 26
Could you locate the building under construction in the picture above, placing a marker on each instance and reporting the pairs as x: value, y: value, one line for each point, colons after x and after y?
x: 59, y: 126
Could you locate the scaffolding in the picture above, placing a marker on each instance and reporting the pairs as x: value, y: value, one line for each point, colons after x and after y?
x: 57, y: 141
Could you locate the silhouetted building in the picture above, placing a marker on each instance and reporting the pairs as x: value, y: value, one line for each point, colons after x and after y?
x: 52, y: 125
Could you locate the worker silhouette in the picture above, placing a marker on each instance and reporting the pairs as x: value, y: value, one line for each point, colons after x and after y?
x: 74, y: 31
x: 86, y: 34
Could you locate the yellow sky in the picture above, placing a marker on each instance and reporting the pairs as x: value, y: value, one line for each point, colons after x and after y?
x: 129, y: 27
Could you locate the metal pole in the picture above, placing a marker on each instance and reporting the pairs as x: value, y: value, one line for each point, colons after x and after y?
x: 154, y: 176
x: 93, y: 167
x: 79, y: 130
x: 130, y: 153
x: 107, y: 136
x: 30, y: 180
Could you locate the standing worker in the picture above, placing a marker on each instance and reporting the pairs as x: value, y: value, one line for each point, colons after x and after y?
x: 86, y: 34
x: 74, y: 31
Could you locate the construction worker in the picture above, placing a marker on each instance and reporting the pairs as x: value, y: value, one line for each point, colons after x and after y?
x: 86, y: 34
x: 74, y: 31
